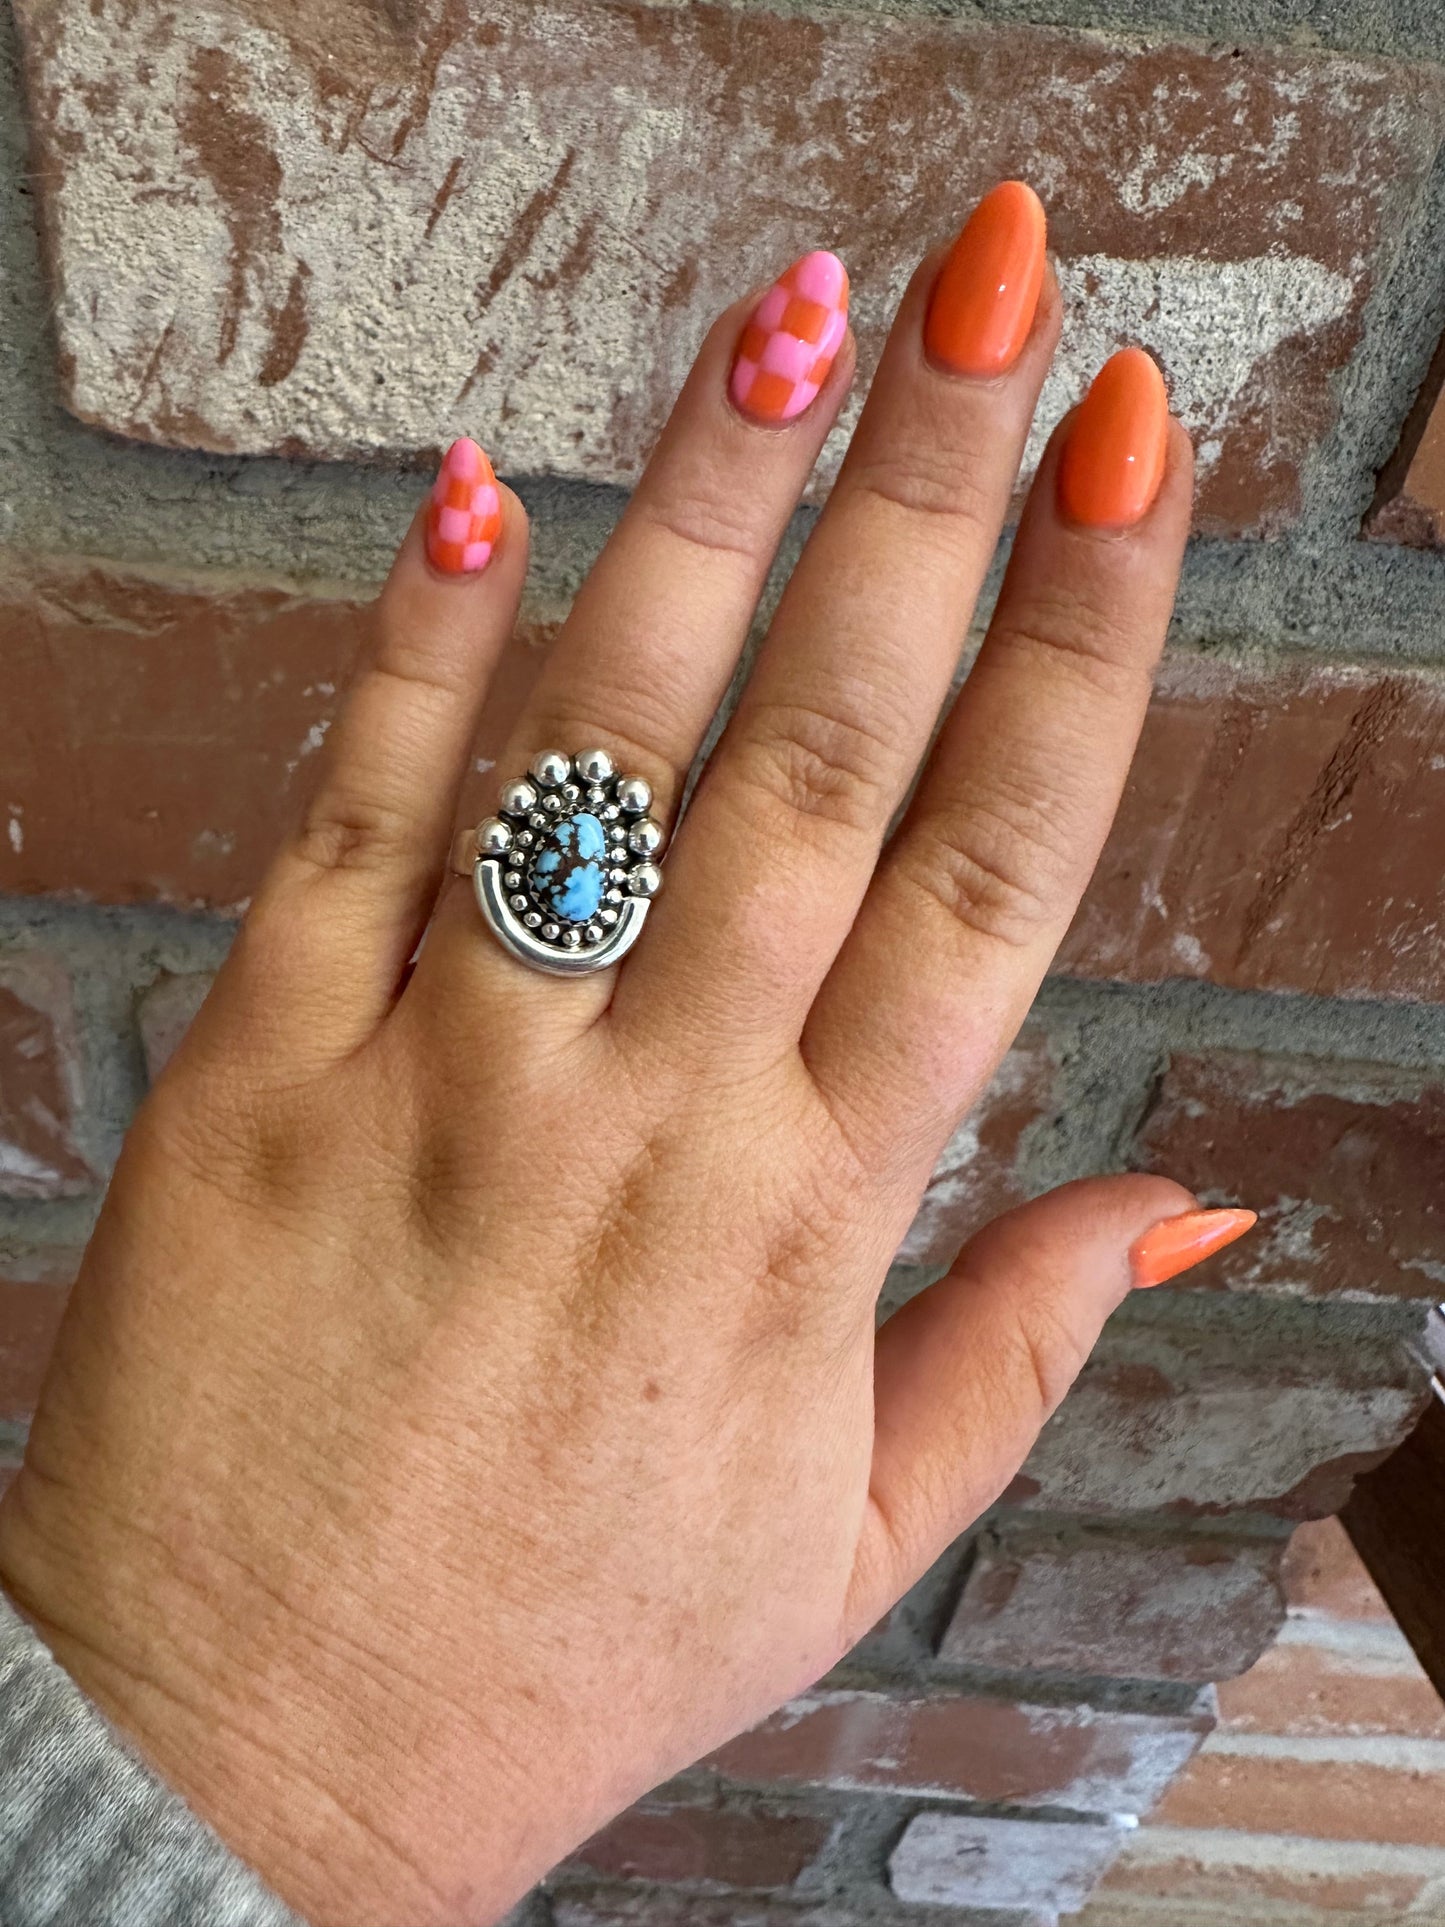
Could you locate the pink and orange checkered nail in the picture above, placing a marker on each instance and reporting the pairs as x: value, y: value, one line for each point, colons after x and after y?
x: 464, y: 516
x: 791, y: 340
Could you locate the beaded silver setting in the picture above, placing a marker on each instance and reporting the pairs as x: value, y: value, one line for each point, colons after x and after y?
x: 567, y: 870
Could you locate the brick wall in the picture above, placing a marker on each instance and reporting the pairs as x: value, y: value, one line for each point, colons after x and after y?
x: 214, y: 423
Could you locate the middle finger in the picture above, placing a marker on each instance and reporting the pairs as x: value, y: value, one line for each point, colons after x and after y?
x: 786, y: 827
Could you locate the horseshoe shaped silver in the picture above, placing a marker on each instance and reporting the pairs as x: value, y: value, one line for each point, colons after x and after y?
x: 565, y: 874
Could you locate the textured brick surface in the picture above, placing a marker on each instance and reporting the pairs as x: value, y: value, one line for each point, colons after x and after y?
x: 1323, y: 1575
x: 1409, y: 501
x: 1280, y: 831
x: 30, y: 1316
x: 529, y: 163
x: 40, y: 1081
x: 190, y: 714
x: 955, y: 1860
x: 1341, y: 1793
x: 1175, y: 1877
x: 706, y: 1845
x: 1193, y: 1607
x: 1341, y: 1161
x: 1199, y: 1424
x: 966, y: 1747
x: 978, y: 1175
x: 1309, y: 1688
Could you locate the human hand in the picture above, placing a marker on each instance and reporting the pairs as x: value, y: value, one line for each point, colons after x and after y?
x: 469, y: 1412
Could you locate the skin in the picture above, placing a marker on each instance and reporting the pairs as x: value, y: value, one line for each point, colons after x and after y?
x: 470, y: 1412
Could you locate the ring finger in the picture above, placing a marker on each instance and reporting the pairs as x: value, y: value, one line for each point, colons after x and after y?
x: 655, y: 634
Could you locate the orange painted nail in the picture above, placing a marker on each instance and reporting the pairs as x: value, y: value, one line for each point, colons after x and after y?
x: 1177, y: 1243
x: 1113, y: 460
x: 464, y: 515
x: 984, y: 300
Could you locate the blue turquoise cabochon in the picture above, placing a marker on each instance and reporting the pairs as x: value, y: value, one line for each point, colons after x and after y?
x: 567, y: 872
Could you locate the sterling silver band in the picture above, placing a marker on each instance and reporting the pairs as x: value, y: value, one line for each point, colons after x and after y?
x: 566, y: 872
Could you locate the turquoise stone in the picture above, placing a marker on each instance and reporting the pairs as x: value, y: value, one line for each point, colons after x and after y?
x: 567, y: 874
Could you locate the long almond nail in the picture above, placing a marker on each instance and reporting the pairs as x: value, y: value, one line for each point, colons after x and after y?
x: 791, y: 340
x: 1113, y: 460
x: 1177, y: 1243
x: 987, y: 291
x: 464, y: 516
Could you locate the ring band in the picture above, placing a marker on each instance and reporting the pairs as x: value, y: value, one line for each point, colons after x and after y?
x: 566, y: 872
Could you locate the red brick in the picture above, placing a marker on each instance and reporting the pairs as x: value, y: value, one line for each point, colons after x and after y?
x: 706, y: 1846
x: 965, y: 1747
x: 1409, y: 503
x: 1342, y: 1162
x: 1233, y: 189
x: 165, y: 1011
x: 30, y: 1316
x: 1195, y: 1607
x: 1279, y: 831
x: 190, y: 713
x: 958, y: 1860
x: 1324, y: 1574
x: 40, y: 1080
x: 978, y: 1175
x: 1310, y: 1691
x: 1196, y: 1424
x: 1325, y: 1798
x: 1265, y: 1878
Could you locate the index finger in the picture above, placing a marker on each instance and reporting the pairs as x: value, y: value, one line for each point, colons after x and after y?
x: 979, y: 885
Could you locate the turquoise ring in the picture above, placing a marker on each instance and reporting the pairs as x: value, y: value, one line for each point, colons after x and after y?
x: 567, y: 870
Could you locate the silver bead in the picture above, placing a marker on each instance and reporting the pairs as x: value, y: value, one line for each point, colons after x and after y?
x: 524, y: 839
x: 513, y: 879
x: 594, y: 933
x: 596, y: 766
x: 645, y: 837
x: 572, y: 938
x: 609, y: 917
x: 608, y: 813
x: 518, y: 903
x: 615, y: 896
x: 552, y: 804
x: 571, y: 793
x: 645, y: 881
x: 551, y: 768
x: 596, y: 796
x: 551, y: 932
x: 635, y: 795
x: 532, y: 919
x: 493, y: 836
x: 617, y: 876
x: 518, y: 797
x: 539, y: 820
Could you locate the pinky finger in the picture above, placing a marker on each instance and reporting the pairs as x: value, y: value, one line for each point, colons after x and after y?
x: 343, y: 906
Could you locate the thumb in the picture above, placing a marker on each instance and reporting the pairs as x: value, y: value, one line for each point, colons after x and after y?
x: 966, y: 1373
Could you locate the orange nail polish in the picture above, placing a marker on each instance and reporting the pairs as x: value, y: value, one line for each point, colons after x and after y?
x: 1177, y: 1243
x: 464, y: 515
x: 984, y: 300
x: 1113, y: 460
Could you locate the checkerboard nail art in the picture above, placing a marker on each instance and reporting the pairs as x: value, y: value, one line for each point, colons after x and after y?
x: 464, y: 516
x: 792, y: 339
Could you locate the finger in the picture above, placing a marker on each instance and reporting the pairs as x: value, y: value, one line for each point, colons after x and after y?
x: 655, y: 634
x: 981, y: 881
x: 786, y: 826
x: 966, y: 1373
x: 342, y: 908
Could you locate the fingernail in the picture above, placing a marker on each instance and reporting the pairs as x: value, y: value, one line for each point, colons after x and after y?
x: 1177, y: 1243
x: 791, y: 340
x: 1113, y: 461
x: 464, y: 516
x: 983, y: 302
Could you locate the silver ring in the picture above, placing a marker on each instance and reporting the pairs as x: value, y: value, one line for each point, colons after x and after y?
x: 567, y: 870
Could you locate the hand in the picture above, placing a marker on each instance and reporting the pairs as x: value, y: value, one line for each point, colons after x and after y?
x: 469, y: 1412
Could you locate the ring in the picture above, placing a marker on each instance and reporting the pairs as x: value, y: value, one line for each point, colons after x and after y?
x: 566, y: 872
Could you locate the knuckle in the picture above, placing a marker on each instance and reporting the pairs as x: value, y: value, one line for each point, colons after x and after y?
x: 709, y: 518
x: 995, y: 868
x: 818, y: 765
x: 344, y: 830
x: 936, y: 486
x: 1072, y: 629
